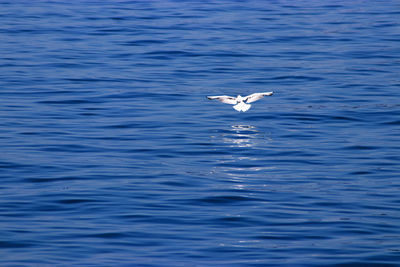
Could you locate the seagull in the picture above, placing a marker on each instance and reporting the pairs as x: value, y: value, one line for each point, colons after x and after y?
x: 240, y: 103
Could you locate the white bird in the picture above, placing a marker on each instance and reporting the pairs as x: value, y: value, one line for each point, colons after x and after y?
x: 240, y: 103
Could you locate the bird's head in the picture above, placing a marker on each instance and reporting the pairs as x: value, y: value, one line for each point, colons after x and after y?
x: 239, y: 98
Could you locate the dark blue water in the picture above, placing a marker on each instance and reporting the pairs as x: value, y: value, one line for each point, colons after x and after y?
x: 111, y: 154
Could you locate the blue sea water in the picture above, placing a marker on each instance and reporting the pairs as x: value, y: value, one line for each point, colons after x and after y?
x: 111, y: 155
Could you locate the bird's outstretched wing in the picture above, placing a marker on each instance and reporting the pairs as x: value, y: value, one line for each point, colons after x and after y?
x: 224, y: 99
x: 256, y: 96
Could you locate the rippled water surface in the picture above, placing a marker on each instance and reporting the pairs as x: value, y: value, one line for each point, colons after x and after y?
x: 111, y: 154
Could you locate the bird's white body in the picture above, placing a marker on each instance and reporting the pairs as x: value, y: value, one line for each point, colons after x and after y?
x: 240, y: 103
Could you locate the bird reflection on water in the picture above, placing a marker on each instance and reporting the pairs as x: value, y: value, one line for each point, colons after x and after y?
x: 242, y: 136
x: 242, y: 164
